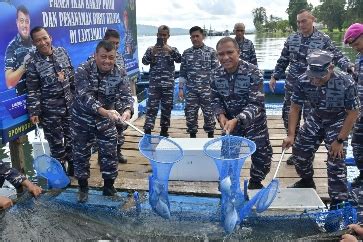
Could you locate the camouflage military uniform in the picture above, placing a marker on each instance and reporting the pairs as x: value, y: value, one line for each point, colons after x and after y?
x: 120, y: 62
x: 357, y: 140
x: 50, y: 83
x: 294, y: 53
x: 247, y: 51
x: 329, y: 104
x: 110, y: 91
x: 161, y: 86
x: 239, y: 96
x: 196, y: 70
x: 11, y: 175
x: 14, y: 57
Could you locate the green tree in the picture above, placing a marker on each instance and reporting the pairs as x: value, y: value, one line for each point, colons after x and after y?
x: 331, y: 13
x: 354, y: 12
x: 259, y: 18
x: 294, y: 7
x: 282, y: 25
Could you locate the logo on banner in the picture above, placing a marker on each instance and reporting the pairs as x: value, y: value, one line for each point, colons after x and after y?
x: 16, y: 106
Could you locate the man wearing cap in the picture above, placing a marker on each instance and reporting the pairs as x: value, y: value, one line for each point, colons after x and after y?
x: 297, y: 46
x: 247, y: 49
x: 354, y: 37
x: 334, y: 109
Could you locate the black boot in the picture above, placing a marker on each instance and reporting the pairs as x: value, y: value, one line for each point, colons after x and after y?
x: 147, y: 131
x: 193, y: 135
x: 358, y: 181
x: 211, y: 134
x: 70, y: 169
x: 254, y: 185
x: 121, y: 158
x: 164, y: 132
x: 108, y: 188
x: 83, y: 190
x: 304, y: 183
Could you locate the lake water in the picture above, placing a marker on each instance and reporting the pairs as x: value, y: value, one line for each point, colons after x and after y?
x: 268, y: 47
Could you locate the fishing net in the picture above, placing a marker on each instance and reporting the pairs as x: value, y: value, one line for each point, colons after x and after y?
x: 162, y: 154
x: 229, y: 154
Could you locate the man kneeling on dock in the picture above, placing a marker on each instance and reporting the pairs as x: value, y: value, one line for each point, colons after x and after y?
x: 103, y: 98
x: 335, y: 108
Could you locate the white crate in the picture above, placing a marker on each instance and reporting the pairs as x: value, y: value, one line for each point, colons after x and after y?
x: 195, y: 165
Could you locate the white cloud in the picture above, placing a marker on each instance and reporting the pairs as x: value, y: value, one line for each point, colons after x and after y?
x: 220, y: 14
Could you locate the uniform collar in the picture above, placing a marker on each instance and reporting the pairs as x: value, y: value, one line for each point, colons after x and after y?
x: 21, y: 40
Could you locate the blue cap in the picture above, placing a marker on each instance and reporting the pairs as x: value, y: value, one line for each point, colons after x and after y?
x: 318, y: 63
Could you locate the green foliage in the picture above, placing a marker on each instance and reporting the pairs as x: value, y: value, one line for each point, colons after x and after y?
x: 354, y: 12
x: 324, y: 13
x: 294, y: 7
x: 259, y: 18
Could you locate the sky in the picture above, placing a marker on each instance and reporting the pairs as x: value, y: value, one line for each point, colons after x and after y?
x: 220, y: 14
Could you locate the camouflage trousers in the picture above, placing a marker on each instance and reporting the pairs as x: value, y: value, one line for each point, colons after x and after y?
x: 261, y: 159
x: 58, y: 134
x: 194, y: 101
x: 307, y: 142
x: 84, y: 134
x: 357, y: 143
x: 287, y: 104
x: 162, y: 96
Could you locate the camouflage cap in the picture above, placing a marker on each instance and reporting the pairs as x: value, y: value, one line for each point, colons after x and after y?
x: 318, y: 63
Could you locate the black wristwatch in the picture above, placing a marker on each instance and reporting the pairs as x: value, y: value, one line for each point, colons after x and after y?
x: 340, y: 141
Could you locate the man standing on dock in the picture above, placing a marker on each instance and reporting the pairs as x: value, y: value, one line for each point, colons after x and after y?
x: 103, y: 97
x: 196, y: 68
x: 239, y: 105
x: 50, y: 84
x: 335, y: 107
x: 297, y: 46
x: 247, y: 49
x: 161, y: 59
x: 354, y: 37
x: 114, y: 37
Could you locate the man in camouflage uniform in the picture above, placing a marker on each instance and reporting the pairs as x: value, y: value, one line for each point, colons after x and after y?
x: 297, y: 46
x: 335, y: 107
x: 103, y: 98
x: 354, y: 37
x: 247, y: 49
x: 17, y: 52
x: 50, y: 83
x: 161, y: 83
x: 17, y: 180
x: 196, y: 68
x: 114, y: 37
x: 239, y: 105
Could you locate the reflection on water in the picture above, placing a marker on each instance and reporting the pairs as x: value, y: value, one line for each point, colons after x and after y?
x: 268, y: 46
x: 193, y: 218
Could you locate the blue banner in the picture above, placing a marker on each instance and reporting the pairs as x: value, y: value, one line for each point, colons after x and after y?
x: 76, y: 25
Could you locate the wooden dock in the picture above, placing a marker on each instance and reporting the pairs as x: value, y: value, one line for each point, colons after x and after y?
x: 134, y: 174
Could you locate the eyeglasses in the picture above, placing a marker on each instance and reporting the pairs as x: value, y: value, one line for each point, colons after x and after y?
x: 239, y: 30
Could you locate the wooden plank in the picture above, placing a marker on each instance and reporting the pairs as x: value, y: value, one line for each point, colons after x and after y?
x: 134, y: 174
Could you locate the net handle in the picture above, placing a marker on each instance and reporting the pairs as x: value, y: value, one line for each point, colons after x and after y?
x: 40, y: 137
x: 133, y: 126
x: 278, y: 165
